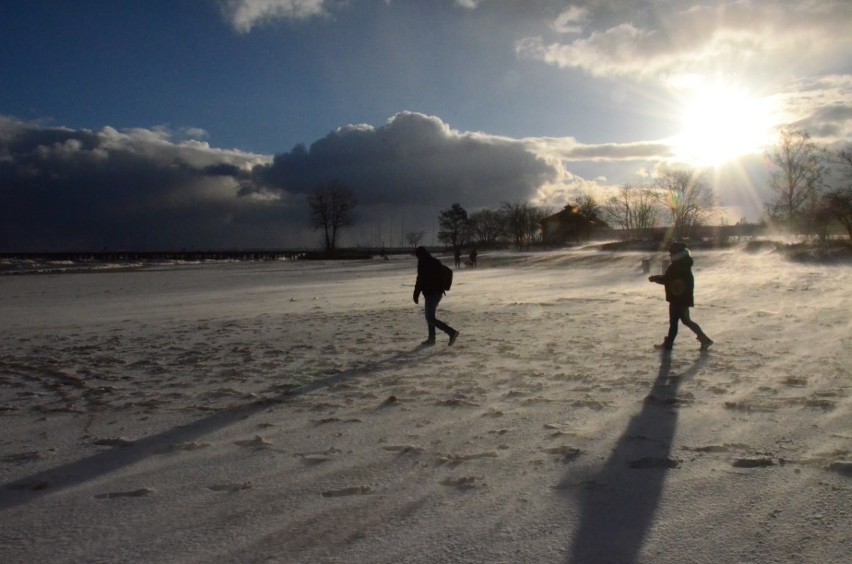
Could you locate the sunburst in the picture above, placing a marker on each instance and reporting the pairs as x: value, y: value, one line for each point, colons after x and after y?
x: 721, y: 123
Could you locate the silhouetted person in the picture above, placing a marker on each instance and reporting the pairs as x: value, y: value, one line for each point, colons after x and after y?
x: 457, y: 256
x: 473, y: 257
x: 429, y: 282
x: 680, y: 285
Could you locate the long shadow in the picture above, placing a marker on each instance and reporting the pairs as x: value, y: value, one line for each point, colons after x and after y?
x: 618, y: 505
x: 55, y: 479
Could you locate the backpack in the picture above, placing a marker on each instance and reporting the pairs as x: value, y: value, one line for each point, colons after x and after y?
x: 446, y: 276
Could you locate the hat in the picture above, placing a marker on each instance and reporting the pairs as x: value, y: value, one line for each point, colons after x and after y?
x: 677, y: 247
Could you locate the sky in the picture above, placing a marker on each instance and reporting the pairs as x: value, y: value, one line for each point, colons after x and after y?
x: 204, y: 123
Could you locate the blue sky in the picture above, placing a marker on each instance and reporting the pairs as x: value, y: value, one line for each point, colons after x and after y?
x: 158, y: 123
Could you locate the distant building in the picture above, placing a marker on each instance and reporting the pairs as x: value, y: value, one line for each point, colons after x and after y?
x: 569, y: 226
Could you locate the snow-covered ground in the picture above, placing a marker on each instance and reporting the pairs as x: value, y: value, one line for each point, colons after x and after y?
x: 283, y: 412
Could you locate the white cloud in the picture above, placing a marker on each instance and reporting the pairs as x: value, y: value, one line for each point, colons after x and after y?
x: 244, y: 15
x: 569, y: 149
x: 822, y: 107
x: 568, y: 187
x: 571, y: 20
x: 683, y: 36
x: 195, y: 133
x: 614, y: 52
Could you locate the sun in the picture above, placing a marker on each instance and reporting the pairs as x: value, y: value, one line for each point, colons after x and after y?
x: 720, y: 124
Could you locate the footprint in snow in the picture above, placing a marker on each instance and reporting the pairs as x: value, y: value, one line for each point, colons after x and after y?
x: 231, y: 487
x: 353, y: 490
x: 653, y: 462
x: 141, y: 492
x: 752, y: 462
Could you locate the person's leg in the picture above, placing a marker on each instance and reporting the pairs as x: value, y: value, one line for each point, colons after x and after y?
x: 432, y: 301
x: 702, y: 338
x: 674, y: 319
x: 430, y: 309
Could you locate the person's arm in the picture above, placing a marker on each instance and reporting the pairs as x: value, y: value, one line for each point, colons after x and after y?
x: 417, y: 288
x: 663, y: 278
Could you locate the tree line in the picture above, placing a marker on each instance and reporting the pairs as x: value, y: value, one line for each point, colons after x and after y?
x: 681, y: 195
x: 811, y: 187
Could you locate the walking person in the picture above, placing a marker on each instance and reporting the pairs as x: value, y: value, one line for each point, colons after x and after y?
x: 457, y: 256
x: 680, y: 285
x: 473, y: 255
x: 430, y: 284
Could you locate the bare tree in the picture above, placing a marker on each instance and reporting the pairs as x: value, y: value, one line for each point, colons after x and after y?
x: 837, y: 202
x: 516, y: 216
x: 523, y: 222
x: 817, y: 217
x: 587, y: 206
x: 844, y: 159
x: 619, y: 209
x: 590, y: 213
x: 332, y: 206
x: 687, y: 198
x: 414, y: 237
x: 537, y: 217
x: 798, y: 178
x: 454, y: 226
x: 487, y: 226
x: 634, y: 209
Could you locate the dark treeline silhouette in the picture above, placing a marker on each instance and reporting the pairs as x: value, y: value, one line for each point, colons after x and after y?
x: 153, y: 256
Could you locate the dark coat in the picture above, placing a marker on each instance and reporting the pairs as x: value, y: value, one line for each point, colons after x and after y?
x: 678, y: 280
x: 428, y: 275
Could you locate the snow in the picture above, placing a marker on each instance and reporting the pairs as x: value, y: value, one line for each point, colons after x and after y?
x: 283, y: 412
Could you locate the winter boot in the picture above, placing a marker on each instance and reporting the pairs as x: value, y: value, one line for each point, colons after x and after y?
x: 453, y: 337
x: 666, y: 345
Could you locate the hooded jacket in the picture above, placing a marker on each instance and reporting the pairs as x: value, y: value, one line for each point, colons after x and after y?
x: 678, y: 280
x: 428, y: 274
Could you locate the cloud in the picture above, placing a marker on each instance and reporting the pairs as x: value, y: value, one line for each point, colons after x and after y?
x: 822, y: 107
x: 244, y: 15
x: 140, y: 189
x: 571, y: 19
x: 65, y: 189
x: 569, y: 149
x: 412, y: 159
x: 567, y: 190
x: 622, y: 152
x: 640, y: 42
x: 78, y: 189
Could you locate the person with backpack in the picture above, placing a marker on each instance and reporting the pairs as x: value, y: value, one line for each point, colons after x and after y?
x: 433, y: 279
x: 680, y: 285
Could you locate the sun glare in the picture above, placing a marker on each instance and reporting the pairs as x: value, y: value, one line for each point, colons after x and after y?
x: 720, y: 124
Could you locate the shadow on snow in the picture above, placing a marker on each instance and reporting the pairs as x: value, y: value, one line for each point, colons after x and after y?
x: 618, y: 504
x: 55, y: 479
